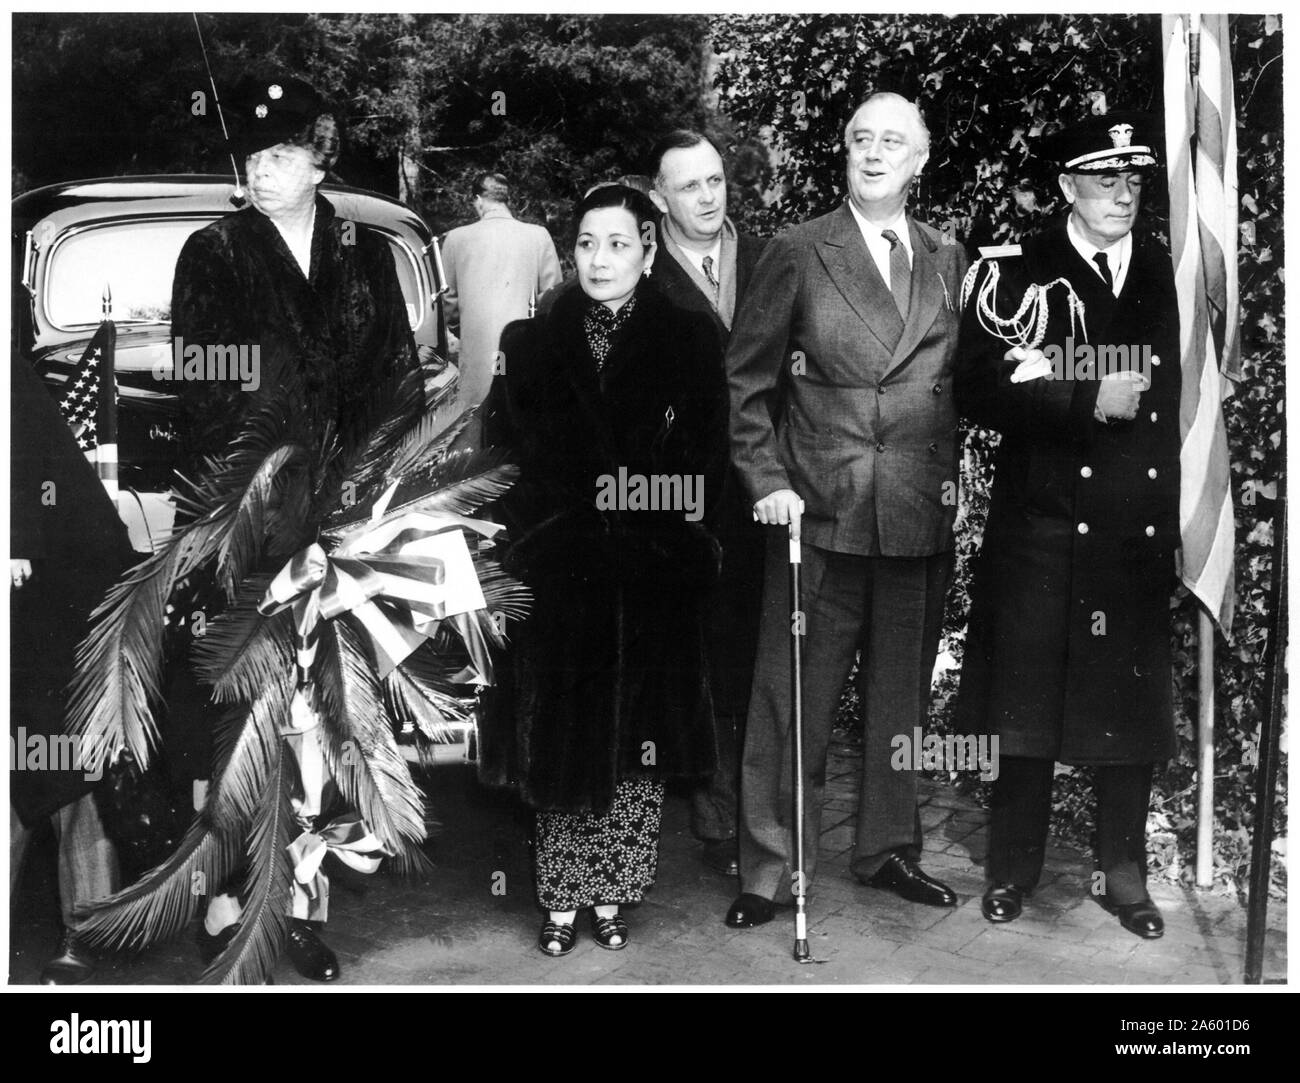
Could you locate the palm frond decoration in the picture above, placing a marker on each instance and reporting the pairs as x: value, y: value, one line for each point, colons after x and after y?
x: 439, y: 718
x: 503, y: 592
x: 434, y: 674
x: 166, y: 898
x: 241, y: 544
x: 359, y: 744
x: 246, y: 754
x: 226, y: 477
x: 389, y: 635
x: 255, y: 947
x: 430, y: 438
x: 403, y: 396
x: 411, y: 862
x: 242, y: 650
x: 119, y: 664
x: 460, y: 483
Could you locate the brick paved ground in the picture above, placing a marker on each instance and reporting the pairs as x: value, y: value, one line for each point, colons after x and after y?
x: 454, y: 930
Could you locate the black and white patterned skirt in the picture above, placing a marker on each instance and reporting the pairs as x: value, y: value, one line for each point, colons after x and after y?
x: 584, y: 859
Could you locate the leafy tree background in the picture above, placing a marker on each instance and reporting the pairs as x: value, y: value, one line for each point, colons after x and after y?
x: 554, y: 102
x: 559, y: 102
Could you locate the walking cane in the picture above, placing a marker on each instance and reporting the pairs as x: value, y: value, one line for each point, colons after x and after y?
x: 801, y: 952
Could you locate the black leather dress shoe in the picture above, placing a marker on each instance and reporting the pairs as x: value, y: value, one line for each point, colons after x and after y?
x: 750, y: 910
x: 722, y: 856
x: 1140, y: 918
x: 311, y: 958
x: 211, y: 946
x: 905, y: 878
x: 1003, y: 902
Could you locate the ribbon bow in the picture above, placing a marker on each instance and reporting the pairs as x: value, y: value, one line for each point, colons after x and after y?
x: 399, y: 578
x: 348, y: 838
x: 347, y: 835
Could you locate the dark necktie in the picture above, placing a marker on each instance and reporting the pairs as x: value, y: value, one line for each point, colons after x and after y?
x: 1104, y: 267
x: 708, y: 273
x: 900, y: 272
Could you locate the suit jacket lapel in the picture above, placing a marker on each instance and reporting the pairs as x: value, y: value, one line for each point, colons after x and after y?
x: 844, y: 254
x: 927, y: 295
x: 675, y: 282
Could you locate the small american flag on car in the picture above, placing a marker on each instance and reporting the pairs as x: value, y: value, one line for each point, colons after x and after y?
x: 80, y: 405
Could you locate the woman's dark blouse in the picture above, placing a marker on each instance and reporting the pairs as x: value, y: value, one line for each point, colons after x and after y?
x: 325, y: 339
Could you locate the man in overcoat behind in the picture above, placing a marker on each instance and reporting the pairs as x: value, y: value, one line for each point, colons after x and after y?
x: 851, y: 323
x: 1068, y: 656
x: 704, y: 264
x: 494, y: 266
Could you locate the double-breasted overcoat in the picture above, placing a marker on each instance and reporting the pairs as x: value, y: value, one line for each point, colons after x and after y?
x: 1067, y: 654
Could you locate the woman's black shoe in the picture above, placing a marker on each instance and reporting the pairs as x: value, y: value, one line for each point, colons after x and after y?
x: 311, y: 958
x: 562, y: 936
x: 604, y: 930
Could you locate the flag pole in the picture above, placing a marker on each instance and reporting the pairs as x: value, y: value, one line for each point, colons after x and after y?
x: 1270, y: 727
x: 106, y: 422
x: 1205, y: 751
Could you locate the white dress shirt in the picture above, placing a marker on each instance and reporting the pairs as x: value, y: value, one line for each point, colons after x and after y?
x: 1118, y: 255
x: 697, y: 258
x: 876, y: 243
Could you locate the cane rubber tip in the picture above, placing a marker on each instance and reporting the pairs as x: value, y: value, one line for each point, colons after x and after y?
x: 801, y: 952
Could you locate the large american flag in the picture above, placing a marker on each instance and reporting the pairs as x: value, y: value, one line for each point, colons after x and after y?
x: 1201, y: 140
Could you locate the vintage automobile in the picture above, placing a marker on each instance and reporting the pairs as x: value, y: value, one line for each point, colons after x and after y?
x: 89, y: 249
x: 86, y: 248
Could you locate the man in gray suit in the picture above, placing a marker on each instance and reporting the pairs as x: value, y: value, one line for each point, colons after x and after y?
x: 494, y: 268
x: 843, y: 426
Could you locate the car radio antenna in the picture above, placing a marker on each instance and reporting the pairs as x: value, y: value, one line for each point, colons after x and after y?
x: 237, y: 196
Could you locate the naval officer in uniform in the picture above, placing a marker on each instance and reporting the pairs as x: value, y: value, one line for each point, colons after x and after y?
x: 1069, y: 349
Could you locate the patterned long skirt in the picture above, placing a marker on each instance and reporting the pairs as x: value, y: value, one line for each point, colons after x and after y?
x: 584, y: 859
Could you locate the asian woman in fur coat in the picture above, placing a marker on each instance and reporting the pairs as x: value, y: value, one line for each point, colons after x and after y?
x: 614, y: 404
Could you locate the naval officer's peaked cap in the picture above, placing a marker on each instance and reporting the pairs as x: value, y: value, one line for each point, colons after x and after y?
x: 1104, y: 143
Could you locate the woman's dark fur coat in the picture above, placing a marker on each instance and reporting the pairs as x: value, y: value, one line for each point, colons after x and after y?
x: 609, y: 675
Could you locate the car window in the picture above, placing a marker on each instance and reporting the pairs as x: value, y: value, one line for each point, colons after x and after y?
x: 137, y: 260
x: 409, y: 279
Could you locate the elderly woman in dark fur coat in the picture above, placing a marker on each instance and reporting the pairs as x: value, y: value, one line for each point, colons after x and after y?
x: 614, y: 403
x: 319, y: 299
